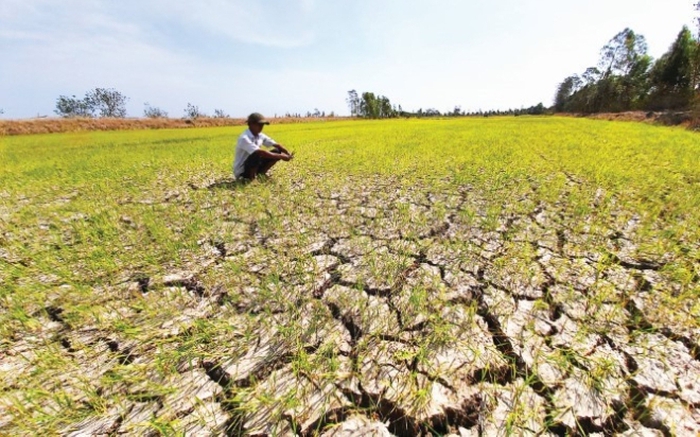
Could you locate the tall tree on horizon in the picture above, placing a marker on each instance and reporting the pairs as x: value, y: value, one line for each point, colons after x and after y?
x: 564, y: 92
x: 674, y: 74
x: 624, y: 65
x: 353, y: 103
x: 619, y: 56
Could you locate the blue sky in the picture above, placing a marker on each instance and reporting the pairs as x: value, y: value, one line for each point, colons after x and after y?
x: 277, y: 56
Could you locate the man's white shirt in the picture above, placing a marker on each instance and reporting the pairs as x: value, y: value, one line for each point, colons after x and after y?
x: 247, y: 145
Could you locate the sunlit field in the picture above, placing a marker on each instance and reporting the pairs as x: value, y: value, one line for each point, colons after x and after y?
x: 495, y: 276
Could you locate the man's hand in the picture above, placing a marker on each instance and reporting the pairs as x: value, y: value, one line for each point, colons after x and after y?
x: 286, y: 156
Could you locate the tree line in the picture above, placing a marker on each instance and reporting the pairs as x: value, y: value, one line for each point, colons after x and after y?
x: 369, y: 105
x: 108, y: 102
x: 626, y: 78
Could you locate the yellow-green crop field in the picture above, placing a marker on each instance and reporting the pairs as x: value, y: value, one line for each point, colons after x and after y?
x: 477, y: 277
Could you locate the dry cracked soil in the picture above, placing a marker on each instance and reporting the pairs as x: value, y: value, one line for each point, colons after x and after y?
x: 377, y: 310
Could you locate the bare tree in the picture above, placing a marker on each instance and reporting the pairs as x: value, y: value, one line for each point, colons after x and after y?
x: 192, y: 112
x: 153, y: 112
x: 219, y: 113
x: 353, y: 103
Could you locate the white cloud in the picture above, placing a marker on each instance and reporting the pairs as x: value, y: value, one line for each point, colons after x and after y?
x: 274, y: 23
x: 71, y: 47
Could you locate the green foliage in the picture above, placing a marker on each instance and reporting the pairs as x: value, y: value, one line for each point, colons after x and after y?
x: 628, y: 79
x: 673, y: 75
x: 621, y: 54
x: 370, y: 105
x: 73, y: 107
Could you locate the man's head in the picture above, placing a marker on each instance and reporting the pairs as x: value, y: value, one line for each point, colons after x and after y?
x: 256, y: 121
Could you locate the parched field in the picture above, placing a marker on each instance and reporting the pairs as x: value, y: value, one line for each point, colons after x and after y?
x: 503, y: 276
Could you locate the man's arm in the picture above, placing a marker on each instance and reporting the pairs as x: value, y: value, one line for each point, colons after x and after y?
x: 272, y: 143
x: 284, y: 156
x: 281, y: 147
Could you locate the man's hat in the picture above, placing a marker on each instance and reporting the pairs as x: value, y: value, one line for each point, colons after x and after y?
x: 257, y: 118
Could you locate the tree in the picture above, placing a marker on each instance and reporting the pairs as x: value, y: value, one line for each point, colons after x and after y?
x: 620, y: 83
x: 620, y: 54
x: 624, y: 64
x: 636, y: 84
x: 373, y: 106
x: 536, y: 110
x: 566, y: 89
x: 590, y: 76
x: 353, y: 103
x: 673, y: 77
x: 153, y: 112
x: 192, y: 112
x: 368, y: 105
x: 385, y: 108
x: 69, y: 107
x: 107, y: 101
x: 219, y: 113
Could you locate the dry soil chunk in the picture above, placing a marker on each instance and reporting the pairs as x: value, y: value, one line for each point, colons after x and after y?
x: 358, y: 426
x: 378, y: 270
x: 665, y: 366
x: 95, y: 425
x: 515, y: 409
x: 522, y: 280
x: 462, y: 286
x: 355, y: 247
x: 136, y: 421
x: 607, y: 372
x: 383, y: 370
x: 262, y: 352
x: 471, y: 350
x: 190, y: 389
x: 637, y: 430
x: 285, y: 393
x: 319, y: 328
x: 674, y: 415
x: 368, y: 314
x: 579, y: 400
x: 207, y: 419
x: 575, y: 336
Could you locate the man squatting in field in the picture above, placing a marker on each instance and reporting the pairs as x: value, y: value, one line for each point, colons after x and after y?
x: 251, y: 160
